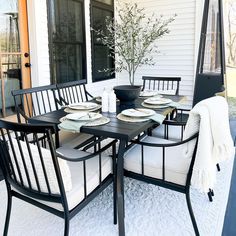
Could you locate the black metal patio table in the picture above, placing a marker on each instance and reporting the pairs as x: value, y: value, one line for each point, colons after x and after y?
x: 123, y: 131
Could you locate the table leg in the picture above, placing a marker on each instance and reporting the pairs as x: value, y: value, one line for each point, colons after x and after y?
x: 120, y: 188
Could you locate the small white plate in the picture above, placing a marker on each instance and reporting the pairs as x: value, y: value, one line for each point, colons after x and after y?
x: 157, y: 101
x: 84, y: 116
x: 154, y: 106
x: 148, y: 93
x: 138, y: 112
x: 83, y: 105
x: 131, y: 119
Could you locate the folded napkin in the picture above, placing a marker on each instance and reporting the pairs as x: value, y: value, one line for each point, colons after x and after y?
x: 157, y: 118
x: 70, y: 125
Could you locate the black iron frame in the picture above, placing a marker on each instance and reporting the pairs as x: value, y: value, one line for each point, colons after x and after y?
x: 162, y: 182
x: 17, y: 187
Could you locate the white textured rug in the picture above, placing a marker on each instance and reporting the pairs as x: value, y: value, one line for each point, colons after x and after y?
x: 150, y: 210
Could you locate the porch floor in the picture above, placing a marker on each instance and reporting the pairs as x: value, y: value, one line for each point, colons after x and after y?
x: 229, y: 222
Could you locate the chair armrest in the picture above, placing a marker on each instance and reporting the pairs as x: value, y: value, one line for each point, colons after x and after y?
x: 89, y: 94
x: 62, y: 101
x: 177, y: 117
x: 86, y: 142
x: 86, y: 157
x: 58, y: 101
x: 136, y: 141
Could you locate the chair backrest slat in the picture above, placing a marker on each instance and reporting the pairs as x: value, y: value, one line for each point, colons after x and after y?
x: 15, y: 159
x: 8, y: 160
x: 85, y: 179
x: 43, y: 165
x: 161, y: 84
x: 26, y: 172
x: 32, y: 163
x: 72, y: 92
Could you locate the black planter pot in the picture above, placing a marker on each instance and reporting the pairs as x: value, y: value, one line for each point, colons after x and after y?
x: 127, y: 93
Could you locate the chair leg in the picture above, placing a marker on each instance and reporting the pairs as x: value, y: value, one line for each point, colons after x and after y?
x: 67, y: 224
x: 191, y: 214
x: 114, y: 195
x: 210, y: 195
x: 9, y: 205
x: 218, y: 166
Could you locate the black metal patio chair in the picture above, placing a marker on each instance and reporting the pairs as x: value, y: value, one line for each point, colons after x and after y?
x: 35, y: 101
x: 38, y: 101
x: 177, y: 120
x: 161, y: 162
x: 61, y: 181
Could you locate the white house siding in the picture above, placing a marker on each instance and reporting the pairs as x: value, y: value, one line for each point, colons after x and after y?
x: 177, y: 50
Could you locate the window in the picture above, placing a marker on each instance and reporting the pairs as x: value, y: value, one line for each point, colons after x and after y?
x: 67, y: 40
x: 100, y: 53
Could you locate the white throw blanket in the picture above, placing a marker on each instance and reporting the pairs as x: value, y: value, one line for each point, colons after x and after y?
x: 215, y: 144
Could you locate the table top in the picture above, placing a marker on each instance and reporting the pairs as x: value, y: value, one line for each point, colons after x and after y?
x: 115, y: 128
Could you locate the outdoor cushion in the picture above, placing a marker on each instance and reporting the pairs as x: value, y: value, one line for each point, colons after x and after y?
x: 47, y: 159
x: 176, y: 165
x: 76, y: 195
x: 174, y: 132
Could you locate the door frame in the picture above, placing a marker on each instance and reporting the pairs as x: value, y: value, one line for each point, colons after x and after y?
x: 24, y: 53
x: 24, y: 44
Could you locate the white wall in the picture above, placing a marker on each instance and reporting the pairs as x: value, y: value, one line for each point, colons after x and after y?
x: 177, y: 55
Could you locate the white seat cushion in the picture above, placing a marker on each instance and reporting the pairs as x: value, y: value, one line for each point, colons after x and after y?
x: 176, y: 165
x: 76, y: 195
x: 174, y: 132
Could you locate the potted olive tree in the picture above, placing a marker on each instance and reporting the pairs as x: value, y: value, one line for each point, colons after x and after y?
x: 131, y: 39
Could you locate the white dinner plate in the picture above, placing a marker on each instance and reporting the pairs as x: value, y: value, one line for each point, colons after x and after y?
x: 148, y: 93
x: 84, y: 116
x: 83, y: 105
x: 138, y: 112
x: 157, y: 101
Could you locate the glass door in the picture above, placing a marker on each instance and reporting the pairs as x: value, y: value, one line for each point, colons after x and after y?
x: 14, y: 52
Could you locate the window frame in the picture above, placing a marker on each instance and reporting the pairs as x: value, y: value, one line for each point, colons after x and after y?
x: 51, y: 25
x: 107, y: 7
